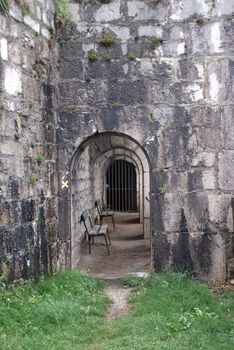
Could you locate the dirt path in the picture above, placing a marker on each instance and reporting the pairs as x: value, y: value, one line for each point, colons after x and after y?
x: 119, y: 297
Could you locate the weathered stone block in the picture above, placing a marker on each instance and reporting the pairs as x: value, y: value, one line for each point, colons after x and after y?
x: 209, y: 138
x: 27, y: 210
x: 209, y: 180
x: 206, y: 116
x: 13, y: 81
x: 32, y: 23
x: 195, y: 180
x: 189, y: 9
x: 228, y: 127
x: 108, y: 12
x: 141, y: 11
x: 126, y: 92
x: 226, y: 171
x: 196, y: 211
x: 71, y: 68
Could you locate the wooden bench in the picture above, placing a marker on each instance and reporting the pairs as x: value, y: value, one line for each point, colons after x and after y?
x: 104, y: 213
x: 93, y: 231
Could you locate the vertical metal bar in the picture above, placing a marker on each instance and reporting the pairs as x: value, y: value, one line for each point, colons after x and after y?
x: 107, y: 187
x: 132, y: 187
x: 114, y: 167
x: 116, y: 187
x: 128, y: 199
x: 111, y: 185
x: 118, y: 165
x: 122, y: 186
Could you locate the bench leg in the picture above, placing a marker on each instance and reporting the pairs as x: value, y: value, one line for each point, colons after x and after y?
x: 108, y: 235
x: 89, y: 239
x: 107, y: 246
x: 113, y: 221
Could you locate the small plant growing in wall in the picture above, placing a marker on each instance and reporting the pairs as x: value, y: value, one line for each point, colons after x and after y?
x: 107, y: 57
x: 62, y: 14
x: 200, y: 21
x: 4, y: 6
x: 163, y: 168
x: 131, y: 56
x: 17, y: 136
x: 92, y: 55
x: 32, y: 180
x: 39, y: 159
x: 162, y: 189
x: 116, y: 104
x: 155, y: 41
x: 40, y: 67
x: 107, y: 39
x: 29, y: 159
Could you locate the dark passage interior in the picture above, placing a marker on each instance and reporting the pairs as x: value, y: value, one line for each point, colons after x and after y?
x: 121, y: 194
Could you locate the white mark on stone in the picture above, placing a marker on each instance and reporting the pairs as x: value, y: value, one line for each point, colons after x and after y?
x: 214, y: 87
x: 215, y: 37
x: 208, y: 180
x: 195, y: 91
x: 4, y: 49
x: 200, y: 70
x: 180, y: 49
x: 125, y: 68
x: 124, y: 48
x: 13, y: 83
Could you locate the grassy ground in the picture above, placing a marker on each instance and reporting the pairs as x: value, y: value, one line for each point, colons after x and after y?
x: 68, y: 312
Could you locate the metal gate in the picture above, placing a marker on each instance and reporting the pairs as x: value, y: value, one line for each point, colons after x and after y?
x: 121, y: 194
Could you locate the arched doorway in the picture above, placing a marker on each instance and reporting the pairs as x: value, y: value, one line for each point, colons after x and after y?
x: 102, y: 164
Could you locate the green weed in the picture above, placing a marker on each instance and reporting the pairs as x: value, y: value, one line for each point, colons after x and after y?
x: 62, y: 13
x: 93, y: 55
x: 4, y: 6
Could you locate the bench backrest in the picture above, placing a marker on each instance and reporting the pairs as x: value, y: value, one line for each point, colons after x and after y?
x: 87, y: 220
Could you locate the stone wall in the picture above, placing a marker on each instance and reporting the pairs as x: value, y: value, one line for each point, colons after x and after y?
x: 155, y: 75
x: 28, y: 144
x: 167, y: 81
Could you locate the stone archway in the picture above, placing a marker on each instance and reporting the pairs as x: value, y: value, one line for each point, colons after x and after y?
x: 89, y: 165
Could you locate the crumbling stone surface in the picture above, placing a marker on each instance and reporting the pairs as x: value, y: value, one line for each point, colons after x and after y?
x: 26, y: 127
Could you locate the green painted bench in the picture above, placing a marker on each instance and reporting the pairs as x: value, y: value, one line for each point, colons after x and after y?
x: 104, y: 213
x: 93, y: 231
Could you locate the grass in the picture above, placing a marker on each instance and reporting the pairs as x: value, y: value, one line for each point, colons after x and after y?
x: 4, y: 6
x: 67, y: 312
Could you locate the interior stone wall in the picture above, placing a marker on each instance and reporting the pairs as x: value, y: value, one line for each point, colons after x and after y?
x: 28, y: 218
x: 166, y: 81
